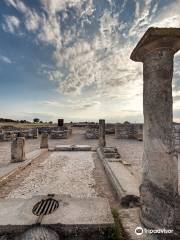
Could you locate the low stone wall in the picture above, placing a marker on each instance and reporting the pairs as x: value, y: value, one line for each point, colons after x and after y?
x: 110, y: 128
x: 92, y: 131
x: 9, y: 135
x: 123, y: 181
x: 129, y: 131
x: 59, y: 134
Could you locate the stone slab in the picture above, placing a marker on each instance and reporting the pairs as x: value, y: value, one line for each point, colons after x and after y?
x: 126, y: 179
x: 72, y: 148
x: 123, y: 181
x: 16, y: 214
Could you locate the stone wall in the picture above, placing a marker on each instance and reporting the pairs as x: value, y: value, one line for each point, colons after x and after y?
x: 129, y: 131
x: 110, y: 128
x: 62, y: 134
x: 9, y: 135
x: 92, y: 131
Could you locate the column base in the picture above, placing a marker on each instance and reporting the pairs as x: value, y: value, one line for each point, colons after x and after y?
x: 158, y: 207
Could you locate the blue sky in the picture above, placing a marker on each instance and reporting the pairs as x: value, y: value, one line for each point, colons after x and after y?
x: 70, y: 58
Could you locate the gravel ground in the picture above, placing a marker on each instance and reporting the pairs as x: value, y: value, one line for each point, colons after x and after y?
x: 61, y: 173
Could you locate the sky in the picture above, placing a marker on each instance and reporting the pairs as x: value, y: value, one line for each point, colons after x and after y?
x: 71, y: 58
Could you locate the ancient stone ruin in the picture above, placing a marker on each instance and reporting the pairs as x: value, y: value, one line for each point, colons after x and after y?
x: 44, y: 140
x: 61, y: 131
x: 159, y: 188
x: 59, y: 197
x: 92, y: 131
x: 60, y: 122
x: 9, y: 134
x: 102, y: 133
x: 177, y: 137
x: 128, y: 130
x: 18, y: 150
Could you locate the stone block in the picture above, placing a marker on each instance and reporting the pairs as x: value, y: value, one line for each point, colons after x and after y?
x: 18, y: 150
x: 74, y: 218
x: 44, y: 140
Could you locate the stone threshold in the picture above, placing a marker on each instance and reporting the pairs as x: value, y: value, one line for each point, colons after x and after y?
x: 71, y: 148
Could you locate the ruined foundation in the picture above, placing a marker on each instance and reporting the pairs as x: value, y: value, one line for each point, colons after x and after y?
x: 92, y: 132
x: 129, y: 131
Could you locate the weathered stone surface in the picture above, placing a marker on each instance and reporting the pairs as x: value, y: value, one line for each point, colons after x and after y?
x: 156, y: 38
x: 129, y: 131
x: 177, y: 212
x: 177, y: 137
x: 44, y: 140
x: 130, y: 221
x: 160, y: 170
x: 92, y: 132
x: 102, y: 133
x: 38, y: 233
x: 18, y: 150
x: 111, y: 153
x: 123, y: 181
x: 59, y: 134
x: 74, y: 219
x: 72, y: 148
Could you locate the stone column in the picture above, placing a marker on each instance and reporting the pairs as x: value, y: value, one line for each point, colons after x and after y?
x: 102, y: 133
x: 117, y: 125
x: 177, y: 138
x: 60, y: 122
x: 159, y: 187
x: 18, y: 150
x: 44, y: 140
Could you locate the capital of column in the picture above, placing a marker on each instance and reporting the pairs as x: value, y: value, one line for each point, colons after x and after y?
x: 155, y: 39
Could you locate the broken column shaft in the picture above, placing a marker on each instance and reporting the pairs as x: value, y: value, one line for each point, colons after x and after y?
x: 60, y: 122
x: 44, y: 140
x: 102, y: 133
x: 159, y: 186
x: 18, y: 150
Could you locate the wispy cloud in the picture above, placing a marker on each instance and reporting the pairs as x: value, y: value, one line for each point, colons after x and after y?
x: 91, y: 46
x: 5, y: 59
x: 11, y: 24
